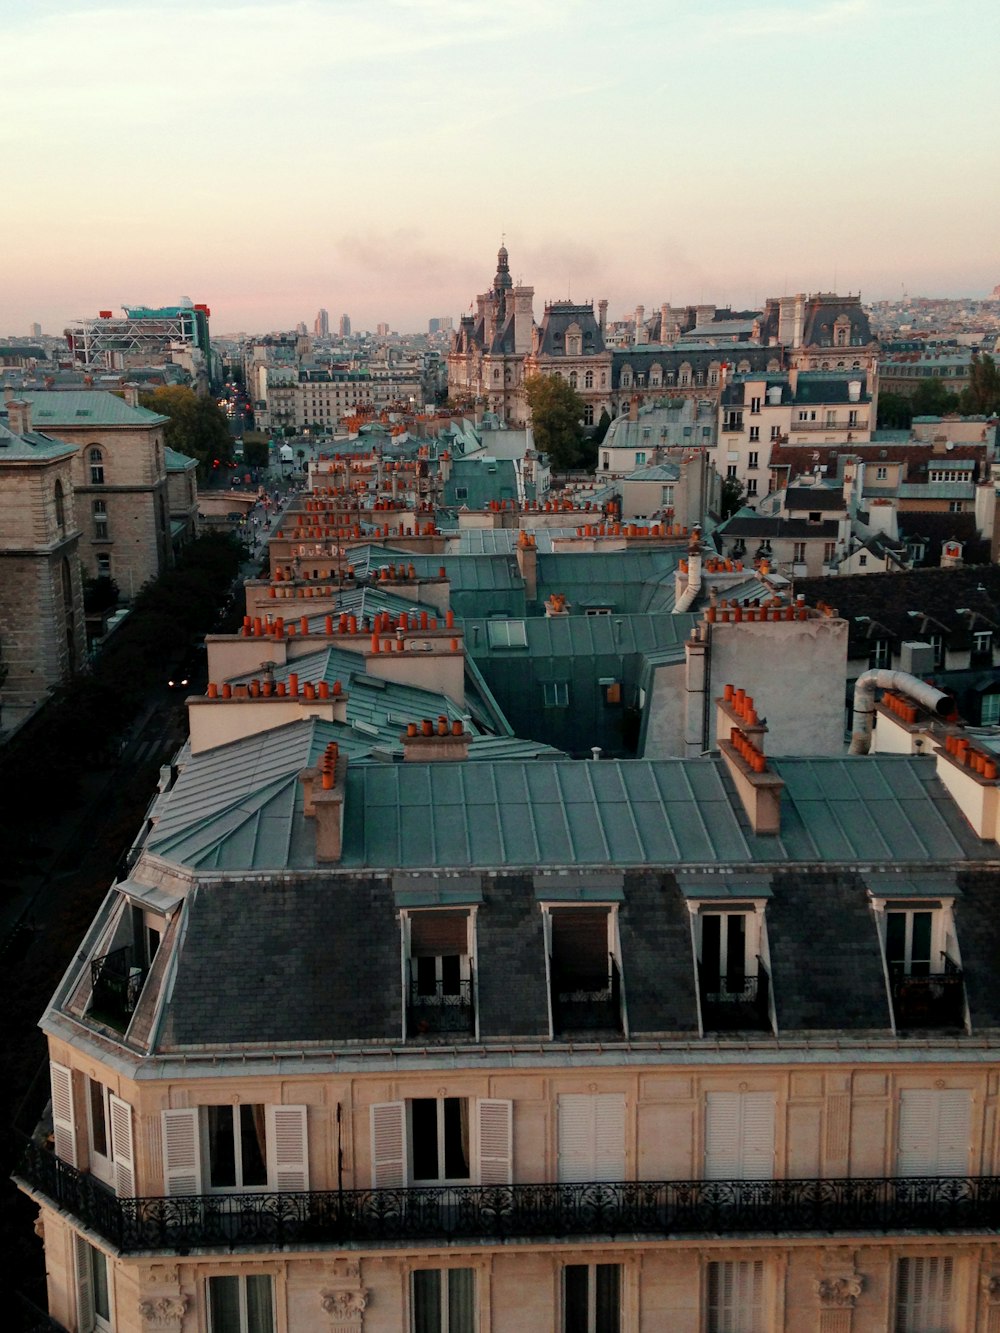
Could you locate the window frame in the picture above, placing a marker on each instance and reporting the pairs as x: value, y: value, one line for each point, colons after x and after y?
x: 592, y: 1312
x: 447, y: 1323
x: 737, y: 1314
x: 555, y: 693
x: 95, y: 463
x: 242, y: 1280
x: 927, y: 1316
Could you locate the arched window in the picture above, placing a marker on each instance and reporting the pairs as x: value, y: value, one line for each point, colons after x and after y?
x: 626, y: 381
x: 655, y: 375
x: 588, y: 380
x: 60, y: 507
x: 572, y: 379
x: 604, y: 379
x: 496, y: 373
x: 96, y: 460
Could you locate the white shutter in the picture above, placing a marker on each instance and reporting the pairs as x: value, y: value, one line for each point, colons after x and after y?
x: 84, y: 1285
x: 757, y: 1139
x: 576, y: 1137
x: 495, y: 1122
x: 63, y: 1113
x: 122, y: 1151
x: 722, y: 1136
x: 739, y: 1136
x: 934, y: 1129
x: 287, y: 1148
x: 181, y: 1156
x: 609, y: 1136
x: 389, y: 1164
x: 924, y: 1289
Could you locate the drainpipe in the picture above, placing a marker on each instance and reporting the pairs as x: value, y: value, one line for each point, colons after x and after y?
x: 936, y: 701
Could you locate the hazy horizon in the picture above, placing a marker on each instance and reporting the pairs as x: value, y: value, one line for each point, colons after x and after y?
x: 268, y: 159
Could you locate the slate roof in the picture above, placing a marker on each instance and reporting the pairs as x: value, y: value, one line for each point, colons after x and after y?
x: 827, y: 499
x: 759, y: 527
x: 560, y: 316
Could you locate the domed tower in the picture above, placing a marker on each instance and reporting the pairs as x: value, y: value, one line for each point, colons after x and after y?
x: 502, y: 282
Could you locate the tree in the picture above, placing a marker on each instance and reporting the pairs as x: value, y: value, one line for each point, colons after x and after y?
x: 982, y: 397
x: 601, y: 429
x: 197, y: 426
x: 556, y: 419
x: 255, y: 452
x: 932, y: 399
x: 731, y: 497
x: 895, y: 411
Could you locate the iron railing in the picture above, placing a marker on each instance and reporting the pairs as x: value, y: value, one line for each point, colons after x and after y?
x: 440, y: 1010
x: 936, y: 1000
x: 736, y: 1002
x: 116, y: 983
x: 661, y: 1209
x: 587, y: 1004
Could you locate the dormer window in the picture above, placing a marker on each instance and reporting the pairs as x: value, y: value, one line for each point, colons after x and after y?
x: 733, y: 979
x: 584, y: 969
x: 921, y: 957
x: 439, y: 998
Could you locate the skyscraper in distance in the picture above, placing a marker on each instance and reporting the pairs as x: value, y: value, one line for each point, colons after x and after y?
x: 321, y: 324
x: 345, y: 326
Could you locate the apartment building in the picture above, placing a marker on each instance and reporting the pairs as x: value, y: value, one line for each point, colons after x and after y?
x: 533, y: 1043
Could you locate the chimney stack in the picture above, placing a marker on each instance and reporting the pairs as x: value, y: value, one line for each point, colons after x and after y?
x: 18, y: 416
x: 130, y: 392
x: 527, y: 562
x: 323, y: 801
x: 427, y: 742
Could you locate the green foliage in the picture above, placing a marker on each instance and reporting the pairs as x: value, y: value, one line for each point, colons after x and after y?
x: 254, y: 452
x: 932, y: 399
x: 982, y: 397
x: 556, y: 419
x: 100, y: 594
x: 731, y: 496
x: 895, y: 411
x: 197, y: 427
x: 601, y: 429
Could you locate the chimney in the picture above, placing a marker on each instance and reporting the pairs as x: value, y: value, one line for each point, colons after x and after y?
x: 130, y: 392
x: 18, y: 416
x: 527, y: 562
x: 323, y: 801
x: 428, y: 743
x: 556, y: 605
x: 602, y: 316
x: 759, y: 789
x: 633, y: 408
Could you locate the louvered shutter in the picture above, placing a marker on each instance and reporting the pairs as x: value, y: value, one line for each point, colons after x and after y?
x: 722, y: 1136
x: 84, y: 1285
x: 389, y: 1164
x: 122, y: 1150
x: 924, y: 1292
x: 576, y: 1137
x: 934, y: 1128
x: 287, y: 1148
x: 495, y: 1132
x: 609, y: 1136
x: 437, y: 934
x: 181, y: 1155
x: 757, y: 1136
x: 63, y: 1114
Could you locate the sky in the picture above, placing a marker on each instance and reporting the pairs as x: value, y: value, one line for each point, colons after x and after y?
x: 269, y: 157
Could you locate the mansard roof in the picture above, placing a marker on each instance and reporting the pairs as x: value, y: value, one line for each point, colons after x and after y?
x: 558, y: 319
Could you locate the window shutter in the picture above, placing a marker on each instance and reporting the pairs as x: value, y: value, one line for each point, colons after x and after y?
x: 495, y: 1118
x: 722, y: 1136
x: 122, y: 1152
x: 436, y: 934
x: 934, y: 1127
x: 954, y: 1131
x: 287, y: 1148
x: 609, y: 1136
x: 63, y: 1114
x: 758, y: 1136
x: 181, y: 1156
x: 576, y: 1138
x: 84, y: 1285
x: 389, y: 1164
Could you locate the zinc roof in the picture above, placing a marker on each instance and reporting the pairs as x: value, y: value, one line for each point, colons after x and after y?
x: 95, y: 407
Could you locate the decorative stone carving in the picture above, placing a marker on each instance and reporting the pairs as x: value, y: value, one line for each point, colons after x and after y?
x: 164, y: 1312
x: 345, y: 1304
x: 991, y: 1288
x: 841, y: 1292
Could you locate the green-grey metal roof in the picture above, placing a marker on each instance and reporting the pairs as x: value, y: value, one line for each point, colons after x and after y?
x: 581, y: 636
x: 95, y: 407
x: 178, y: 462
x: 239, y: 808
x: 655, y: 472
x: 32, y: 447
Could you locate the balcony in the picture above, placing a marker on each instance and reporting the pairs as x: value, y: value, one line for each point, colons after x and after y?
x: 735, y: 1003
x: 660, y: 1210
x: 929, y: 1001
x: 116, y: 981
x: 440, y: 1011
x: 797, y: 426
x: 587, y: 1003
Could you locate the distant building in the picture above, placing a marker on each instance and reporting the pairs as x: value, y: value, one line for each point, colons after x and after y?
x: 321, y: 324
x: 440, y: 325
x: 345, y: 326
x: 382, y: 330
x: 36, y: 330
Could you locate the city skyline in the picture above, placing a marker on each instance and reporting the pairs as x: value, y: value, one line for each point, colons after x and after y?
x: 370, y: 162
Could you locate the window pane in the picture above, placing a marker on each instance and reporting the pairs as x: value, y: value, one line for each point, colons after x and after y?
x: 608, y: 1298
x: 252, y: 1141
x: 895, y: 936
x: 423, y: 1113
x: 221, y: 1149
x: 99, y: 1272
x: 456, y: 1138
x: 920, y: 957
x: 461, y: 1300
x: 224, y: 1304
x: 98, y: 1124
x: 575, y: 1282
x: 427, y: 1301
x: 260, y: 1318
x: 710, y: 950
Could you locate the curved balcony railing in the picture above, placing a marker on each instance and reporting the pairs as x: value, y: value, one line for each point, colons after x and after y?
x: 659, y: 1209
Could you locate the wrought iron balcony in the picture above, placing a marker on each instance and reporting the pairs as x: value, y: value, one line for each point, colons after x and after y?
x: 116, y: 982
x: 587, y: 1004
x: 440, y: 1011
x: 658, y: 1209
x: 736, y: 1002
x: 930, y: 1001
